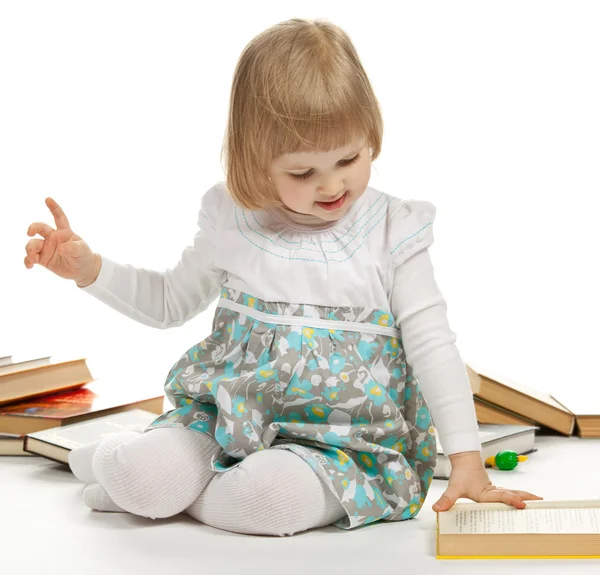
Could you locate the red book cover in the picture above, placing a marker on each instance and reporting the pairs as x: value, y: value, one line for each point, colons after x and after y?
x: 74, y: 403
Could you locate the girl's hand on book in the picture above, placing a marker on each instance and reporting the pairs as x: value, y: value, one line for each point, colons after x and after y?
x: 470, y: 480
x: 61, y: 250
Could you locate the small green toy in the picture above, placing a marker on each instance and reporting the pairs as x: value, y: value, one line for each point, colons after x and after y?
x: 505, y: 460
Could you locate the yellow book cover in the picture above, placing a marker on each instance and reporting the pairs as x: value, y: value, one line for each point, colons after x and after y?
x: 543, y: 530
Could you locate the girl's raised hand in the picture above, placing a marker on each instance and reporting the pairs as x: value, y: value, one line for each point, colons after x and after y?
x: 60, y: 250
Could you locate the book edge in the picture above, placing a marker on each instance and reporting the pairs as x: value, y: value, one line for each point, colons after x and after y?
x: 534, y: 504
x: 26, y: 448
x: 44, y: 366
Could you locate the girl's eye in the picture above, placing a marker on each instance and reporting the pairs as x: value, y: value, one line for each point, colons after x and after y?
x: 303, y: 176
x: 308, y: 174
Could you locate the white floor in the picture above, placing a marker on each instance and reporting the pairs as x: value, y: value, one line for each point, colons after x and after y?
x: 47, y: 529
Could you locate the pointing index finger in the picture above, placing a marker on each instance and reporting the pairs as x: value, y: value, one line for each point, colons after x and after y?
x: 61, y: 220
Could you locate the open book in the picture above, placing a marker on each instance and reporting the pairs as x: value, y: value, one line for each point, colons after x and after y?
x: 57, y: 442
x: 543, y: 529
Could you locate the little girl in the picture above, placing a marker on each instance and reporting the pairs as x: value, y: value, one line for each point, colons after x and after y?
x: 309, y: 403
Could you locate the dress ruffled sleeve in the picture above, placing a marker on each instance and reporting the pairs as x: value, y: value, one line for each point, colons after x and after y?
x: 210, y: 213
x: 410, y: 228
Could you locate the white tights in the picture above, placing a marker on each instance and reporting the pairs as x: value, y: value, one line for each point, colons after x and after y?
x: 166, y: 471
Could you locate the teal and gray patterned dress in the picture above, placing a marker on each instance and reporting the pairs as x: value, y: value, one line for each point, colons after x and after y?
x: 331, y: 384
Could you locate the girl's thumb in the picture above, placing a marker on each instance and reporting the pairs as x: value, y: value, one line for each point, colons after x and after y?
x: 447, y: 500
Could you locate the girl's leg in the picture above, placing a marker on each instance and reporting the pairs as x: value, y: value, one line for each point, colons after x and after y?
x: 271, y: 492
x: 156, y: 474
x: 80, y: 458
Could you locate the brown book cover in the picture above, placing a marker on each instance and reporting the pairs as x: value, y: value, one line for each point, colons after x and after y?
x: 544, y: 529
x: 94, y: 400
x: 488, y: 413
x: 588, y: 425
x: 523, y: 401
x: 40, y: 376
x: 587, y: 414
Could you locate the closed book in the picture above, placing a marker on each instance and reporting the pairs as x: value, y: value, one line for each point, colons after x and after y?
x: 20, y: 380
x: 588, y: 425
x: 493, y: 438
x: 587, y: 413
x: 93, y: 400
x: 11, y: 444
x: 544, y: 529
x: 56, y: 443
x: 492, y: 414
x: 537, y: 406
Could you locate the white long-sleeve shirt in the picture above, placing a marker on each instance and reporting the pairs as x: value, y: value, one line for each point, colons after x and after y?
x: 376, y: 256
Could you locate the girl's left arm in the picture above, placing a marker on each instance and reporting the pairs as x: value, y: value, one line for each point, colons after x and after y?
x: 429, y: 344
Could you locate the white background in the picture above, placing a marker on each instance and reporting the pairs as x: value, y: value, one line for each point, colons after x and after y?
x: 117, y: 109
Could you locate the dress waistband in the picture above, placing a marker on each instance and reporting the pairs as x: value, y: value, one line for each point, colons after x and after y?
x: 321, y: 317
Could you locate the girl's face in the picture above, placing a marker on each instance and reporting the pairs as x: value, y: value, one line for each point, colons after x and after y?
x: 324, y: 184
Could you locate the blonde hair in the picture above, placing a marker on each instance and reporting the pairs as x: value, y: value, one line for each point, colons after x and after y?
x: 298, y: 86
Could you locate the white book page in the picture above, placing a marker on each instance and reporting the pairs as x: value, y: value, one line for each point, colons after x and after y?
x: 529, y: 520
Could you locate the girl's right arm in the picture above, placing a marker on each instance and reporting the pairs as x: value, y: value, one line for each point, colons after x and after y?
x: 157, y: 299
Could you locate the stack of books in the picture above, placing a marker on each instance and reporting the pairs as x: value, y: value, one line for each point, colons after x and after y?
x: 509, y: 415
x: 500, y: 400
x: 43, y: 393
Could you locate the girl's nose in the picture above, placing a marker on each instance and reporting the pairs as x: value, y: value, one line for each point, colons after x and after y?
x: 332, y: 188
